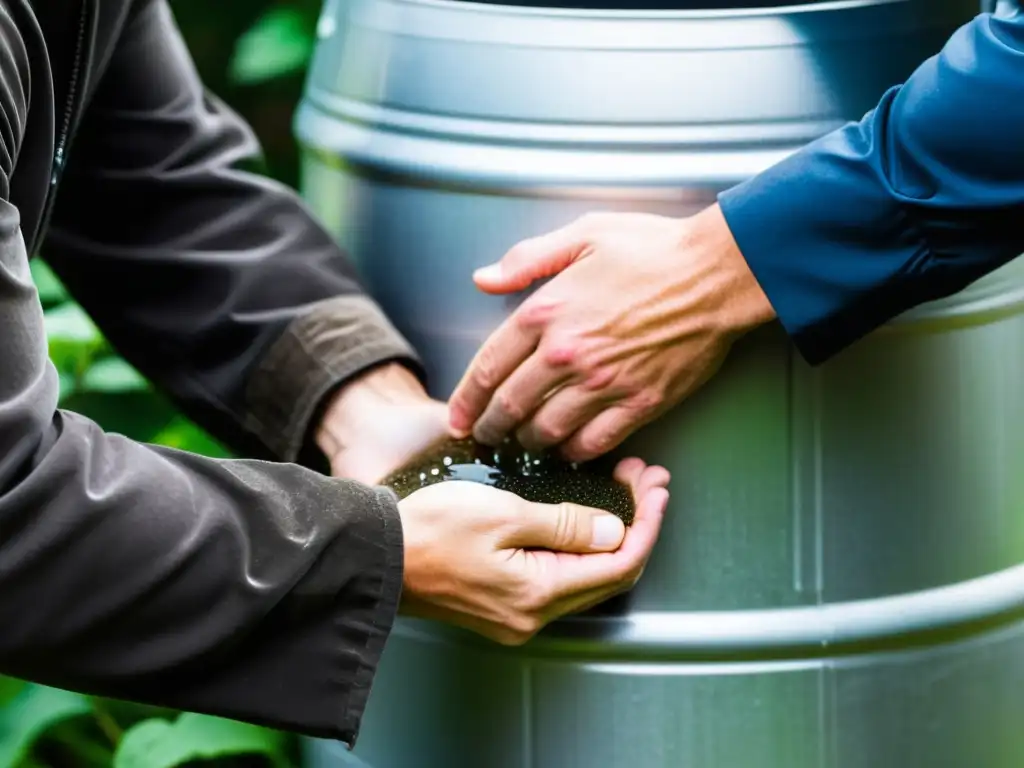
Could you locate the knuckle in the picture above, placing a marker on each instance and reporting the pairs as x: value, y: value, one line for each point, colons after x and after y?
x: 510, y: 407
x: 596, y: 443
x: 535, y: 312
x: 568, y: 525
x: 590, y: 360
x: 485, y: 372
x: 570, y: 350
x: 561, y: 353
x: 549, y: 432
x: 599, y: 379
x: 523, y: 625
x: 645, y: 400
x: 525, y: 318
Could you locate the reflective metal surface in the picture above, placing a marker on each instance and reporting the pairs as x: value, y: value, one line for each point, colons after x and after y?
x: 836, y: 584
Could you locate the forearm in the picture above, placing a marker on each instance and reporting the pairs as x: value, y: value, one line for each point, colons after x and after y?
x: 273, y: 323
x: 257, y: 591
x: 215, y: 282
x: 247, y: 589
x: 914, y: 202
x: 261, y: 592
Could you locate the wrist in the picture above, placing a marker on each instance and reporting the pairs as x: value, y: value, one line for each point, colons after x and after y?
x: 384, y: 386
x: 744, y: 305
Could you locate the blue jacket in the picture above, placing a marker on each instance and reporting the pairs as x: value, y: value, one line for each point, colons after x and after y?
x: 920, y: 198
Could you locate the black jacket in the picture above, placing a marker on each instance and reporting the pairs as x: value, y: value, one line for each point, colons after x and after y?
x: 254, y: 590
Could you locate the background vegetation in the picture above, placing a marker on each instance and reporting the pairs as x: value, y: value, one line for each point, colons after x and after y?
x: 254, y: 54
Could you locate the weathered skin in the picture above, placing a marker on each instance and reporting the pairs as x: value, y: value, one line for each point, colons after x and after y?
x: 537, y: 477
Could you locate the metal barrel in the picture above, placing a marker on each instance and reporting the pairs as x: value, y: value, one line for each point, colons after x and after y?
x: 838, y: 583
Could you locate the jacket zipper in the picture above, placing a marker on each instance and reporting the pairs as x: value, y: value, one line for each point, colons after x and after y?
x: 69, y: 106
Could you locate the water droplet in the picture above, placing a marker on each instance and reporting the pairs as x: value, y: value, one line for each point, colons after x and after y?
x: 447, y: 461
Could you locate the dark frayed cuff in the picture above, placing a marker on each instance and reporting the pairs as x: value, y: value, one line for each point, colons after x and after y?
x: 334, y: 342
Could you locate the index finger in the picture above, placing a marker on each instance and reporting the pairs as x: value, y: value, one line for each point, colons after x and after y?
x: 498, y: 357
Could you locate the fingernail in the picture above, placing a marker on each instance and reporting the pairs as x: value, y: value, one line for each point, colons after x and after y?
x: 457, y: 417
x: 608, y: 532
x: 489, y: 273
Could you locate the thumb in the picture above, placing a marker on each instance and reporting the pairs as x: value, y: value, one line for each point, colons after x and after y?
x: 567, y: 528
x: 531, y: 260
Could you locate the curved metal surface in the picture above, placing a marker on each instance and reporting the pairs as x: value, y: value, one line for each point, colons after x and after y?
x: 891, y: 623
x: 843, y: 544
x: 1002, y: 7
x: 652, y: 5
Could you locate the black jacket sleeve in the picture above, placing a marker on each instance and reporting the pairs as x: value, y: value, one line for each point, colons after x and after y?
x: 216, y: 283
x: 257, y: 591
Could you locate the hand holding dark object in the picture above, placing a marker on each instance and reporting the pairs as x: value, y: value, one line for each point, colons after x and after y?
x: 641, y: 311
x: 477, y: 556
x: 491, y: 562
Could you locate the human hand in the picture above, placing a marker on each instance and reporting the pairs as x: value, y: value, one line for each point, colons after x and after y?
x: 489, y: 561
x: 379, y: 421
x: 644, y: 313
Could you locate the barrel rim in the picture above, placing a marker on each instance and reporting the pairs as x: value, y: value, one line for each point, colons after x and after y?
x: 894, y: 623
x: 369, y: 155
x: 651, y: 14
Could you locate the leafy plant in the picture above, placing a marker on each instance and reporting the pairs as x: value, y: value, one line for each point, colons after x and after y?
x: 30, y: 713
x: 157, y: 743
x: 279, y: 44
x: 254, y: 54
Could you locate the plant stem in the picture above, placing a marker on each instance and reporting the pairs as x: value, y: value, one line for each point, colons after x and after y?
x: 107, y: 723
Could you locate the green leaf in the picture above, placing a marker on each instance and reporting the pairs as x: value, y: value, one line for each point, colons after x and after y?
x: 74, y: 342
x: 160, y: 744
x: 68, y: 381
x: 278, y: 44
x: 140, y: 415
x: 30, y: 714
x: 113, y: 374
x: 70, y: 323
x: 9, y: 688
x: 51, y: 290
x: 184, y: 435
x: 74, y: 742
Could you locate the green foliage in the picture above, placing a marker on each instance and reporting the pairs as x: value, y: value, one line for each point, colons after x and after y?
x: 157, y: 743
x: 41, y: 726
x: 278, y: 44
x: 30, y: 713
x: 253, y: 53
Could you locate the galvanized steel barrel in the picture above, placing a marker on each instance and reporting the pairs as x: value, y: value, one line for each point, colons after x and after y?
x: 838, y: 583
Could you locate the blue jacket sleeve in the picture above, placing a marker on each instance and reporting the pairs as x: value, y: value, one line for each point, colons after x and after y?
x: 920, y: 198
